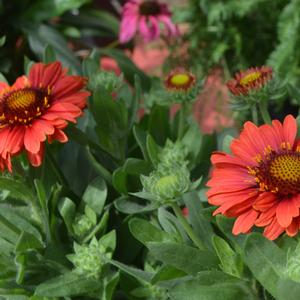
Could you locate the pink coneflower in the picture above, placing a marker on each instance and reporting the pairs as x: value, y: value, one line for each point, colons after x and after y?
x: 37, y: 108
x: 144, y: 17
x: 259, y: 184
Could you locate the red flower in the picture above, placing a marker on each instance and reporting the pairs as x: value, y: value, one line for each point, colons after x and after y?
x: 259, y: 184
x: 38, y: 107
x: 249, y: 80
x: 180, y: 80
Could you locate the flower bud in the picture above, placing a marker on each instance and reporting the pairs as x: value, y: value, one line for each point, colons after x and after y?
x: 167, y: 183
x: 173, y: 153
x: 107, y: 80
x: 88, y: 259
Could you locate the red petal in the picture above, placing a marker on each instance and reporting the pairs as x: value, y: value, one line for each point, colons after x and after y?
x: 286, y: 210
x: 245, y: 222
x: 31, y: 140
x: 274, y: 230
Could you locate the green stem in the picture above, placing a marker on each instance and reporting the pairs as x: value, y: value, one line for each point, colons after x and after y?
x: 263, y: 107
x: 98, y: 167
x: 254, y: 114
x: 56, y: 168
x: 187, y: 227
x: 182, y: 120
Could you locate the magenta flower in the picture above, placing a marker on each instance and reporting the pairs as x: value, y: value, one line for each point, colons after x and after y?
x: 144, y: 17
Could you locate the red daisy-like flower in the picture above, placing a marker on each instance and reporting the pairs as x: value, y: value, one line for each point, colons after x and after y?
x: 180, y: 80
x: 259, y: 184
x: 36, y: 108
x: 249, y: 80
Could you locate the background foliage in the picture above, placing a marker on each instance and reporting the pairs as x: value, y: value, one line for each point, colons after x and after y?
x: 80, y: 210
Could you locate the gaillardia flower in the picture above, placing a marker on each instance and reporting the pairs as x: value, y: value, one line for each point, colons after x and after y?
x: 250, y: 80
x: 36, y: 108
x: 259, y: 184
x: 144, y: 17
x: 180, y: 80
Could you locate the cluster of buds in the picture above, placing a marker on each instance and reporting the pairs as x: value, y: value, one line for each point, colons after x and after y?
x: 254, y: 86
x: 171, y: 177
x: 107, y: 80
x: 84, y: 223
x: 90, y: 259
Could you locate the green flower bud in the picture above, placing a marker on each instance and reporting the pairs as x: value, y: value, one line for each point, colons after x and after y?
x: 88, y: 259
x: 108, y: 80
x: 167, y: 183
x: 82, y: 225
x: 173, y: 153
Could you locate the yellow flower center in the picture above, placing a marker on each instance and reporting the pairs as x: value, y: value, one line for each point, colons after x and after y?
x: 286, y: 169
x: 21, y: 99
x: 279, y: 173
x: 249, y: 78
x: 180, y: 79
x: 23, y: 105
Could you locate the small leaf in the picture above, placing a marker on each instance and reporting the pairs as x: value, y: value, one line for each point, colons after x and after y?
x: 145, y: 232
x: 95, y: 195
x: 231, y: 262
x: 67, y: 210
x: 182, y: 257
x: 27, y: 241
x: 265, y: 260
x: 68, y: 284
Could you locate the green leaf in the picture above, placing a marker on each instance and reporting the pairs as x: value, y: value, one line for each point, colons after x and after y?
x: 46, y: 9
x: 2, y: 78
x: 112, y: 122
x: 212, y: 285
x: 68, y: 284
x: 67, y: 210
x: 199, y: 222
x: 152, y: 149
x: 166, y: 273
x: 133, y: 109
x: 126, y: 205
x: 145, y: 232
x: 49, y: 55
x: 128, y: 67
x: 288, y: 289
x: 95, y: 195
x: 17, y: 189
x: 42, y: 35
x: 2, y: 40
x: 27, y: 241
x: 110, y: 284
x: 134, y: 272
x: 132, y: 169
x: 231, y: 262
x: 109, y: 240
x: 182, y: 257
x: 141, y: 138
x: 265, y: 260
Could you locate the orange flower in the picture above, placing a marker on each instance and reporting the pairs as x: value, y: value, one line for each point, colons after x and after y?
x: 249, y: 80
x: 38, y: 107
x: 259, y: 184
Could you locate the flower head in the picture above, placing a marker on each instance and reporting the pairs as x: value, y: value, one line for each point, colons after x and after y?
x: 144, y: 17
x: 36, y: 108
x: 250, y: 80
x: 180, y: 80
x: 259, y: 184
x: 167, y: 183
x: 88, y: 259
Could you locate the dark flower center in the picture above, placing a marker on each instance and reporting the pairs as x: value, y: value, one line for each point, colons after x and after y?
x: 279, y: 173
x: 149, y: 8
x: 23, y: 105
